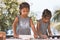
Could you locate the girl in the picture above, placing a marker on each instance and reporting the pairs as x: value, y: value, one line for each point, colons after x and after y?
x: 22, y: 22
x: 44, y: 24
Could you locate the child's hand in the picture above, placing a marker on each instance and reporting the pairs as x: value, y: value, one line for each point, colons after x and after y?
x: 50, y: 34
x: 1, y: 35
x: 35, y: 36
x: 16, y: 36
x: 44, y: 36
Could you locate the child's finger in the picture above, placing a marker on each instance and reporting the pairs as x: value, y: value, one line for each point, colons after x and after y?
x: 35, y: 36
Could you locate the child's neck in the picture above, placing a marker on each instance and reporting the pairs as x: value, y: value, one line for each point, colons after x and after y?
x: 23, y: 16
x: 43, y: 20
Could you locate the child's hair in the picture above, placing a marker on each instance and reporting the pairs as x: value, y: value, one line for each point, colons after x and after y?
x: 46, y: 13
x: 24, y: 5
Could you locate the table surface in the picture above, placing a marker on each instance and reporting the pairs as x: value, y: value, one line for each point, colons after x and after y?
x: 32, y: 39
x: 28, y: 37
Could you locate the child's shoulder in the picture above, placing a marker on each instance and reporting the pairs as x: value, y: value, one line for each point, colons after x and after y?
x: 18, y: 16
x: 29, y: 17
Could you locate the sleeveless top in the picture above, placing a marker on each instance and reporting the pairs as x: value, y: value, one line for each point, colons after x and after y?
x: 23, y: 26
x: 43, y: 27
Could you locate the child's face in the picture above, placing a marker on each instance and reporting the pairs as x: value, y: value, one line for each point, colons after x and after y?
x: 47, y: 19
x: 24, y: 11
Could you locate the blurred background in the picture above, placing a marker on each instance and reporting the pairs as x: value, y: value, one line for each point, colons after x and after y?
x: 9, y: 9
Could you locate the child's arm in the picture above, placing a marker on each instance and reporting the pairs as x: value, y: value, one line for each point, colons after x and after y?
x: 49, y: 30
x: 38, y: 29
x: 14, y: 26
x: 32, y: 26
x: 39, y: 32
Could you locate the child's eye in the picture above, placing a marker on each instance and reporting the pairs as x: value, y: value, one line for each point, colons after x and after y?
x: 25, y: 11
x: 47, y: 18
